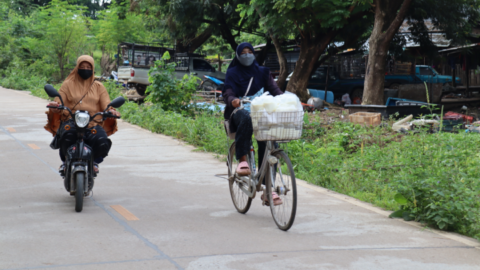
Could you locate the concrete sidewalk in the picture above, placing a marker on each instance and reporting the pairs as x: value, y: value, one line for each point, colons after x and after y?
x: 186, y: 219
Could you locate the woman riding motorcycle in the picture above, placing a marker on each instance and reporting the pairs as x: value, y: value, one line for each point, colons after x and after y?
x: 243, y: 72
x: 80, y: 91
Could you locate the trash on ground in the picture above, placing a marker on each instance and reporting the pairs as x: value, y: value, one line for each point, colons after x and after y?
x: 458, y: 116
x: 321, y: 94
x: 346, y: 99
x: 403, y: 124
x: 316, y: 102
x: 366, y: 118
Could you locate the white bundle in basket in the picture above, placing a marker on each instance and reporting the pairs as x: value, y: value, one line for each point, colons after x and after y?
x: 277, y: 118
x: 287, y: 102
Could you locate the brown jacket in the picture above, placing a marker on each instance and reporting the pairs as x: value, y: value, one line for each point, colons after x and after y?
x: 78, y: 94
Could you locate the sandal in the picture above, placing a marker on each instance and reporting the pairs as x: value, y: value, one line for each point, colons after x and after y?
x: 243, y: 169
x: 95, y: 168
x: 276, y: 199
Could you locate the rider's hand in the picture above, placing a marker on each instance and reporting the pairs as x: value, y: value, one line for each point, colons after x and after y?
x: 54, y: 104
x: 114, y: 113
x: 236, y: 103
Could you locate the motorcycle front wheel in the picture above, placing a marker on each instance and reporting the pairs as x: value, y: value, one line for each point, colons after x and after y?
x: 79, y: 190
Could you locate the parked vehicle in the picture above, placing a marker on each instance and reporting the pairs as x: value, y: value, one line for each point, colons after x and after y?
x: 195, y: 64
x: 79, y: 172
x: 430, y: 75
x: 339, y: 87
x: 135, y: 61
x: 211, y: 83
x: 354, y: 87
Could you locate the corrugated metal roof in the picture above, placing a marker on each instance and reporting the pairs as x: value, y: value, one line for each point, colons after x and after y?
x: 460, y: 47
x: 438, y: 38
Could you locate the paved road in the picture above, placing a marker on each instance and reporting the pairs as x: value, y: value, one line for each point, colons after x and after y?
x: 185, y: 216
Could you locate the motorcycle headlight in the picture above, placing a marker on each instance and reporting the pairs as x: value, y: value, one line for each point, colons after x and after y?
x: 82, y: 119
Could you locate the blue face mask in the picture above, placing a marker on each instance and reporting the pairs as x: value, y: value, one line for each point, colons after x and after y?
x: 246, y: 59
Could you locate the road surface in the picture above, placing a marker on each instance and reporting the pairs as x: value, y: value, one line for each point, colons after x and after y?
x: 157, y: 204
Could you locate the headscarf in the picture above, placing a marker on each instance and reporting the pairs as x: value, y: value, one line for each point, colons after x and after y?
x: 238, y: 76
x: 78, y: 87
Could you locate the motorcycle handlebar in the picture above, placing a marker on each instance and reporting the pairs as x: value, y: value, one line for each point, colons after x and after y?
x: 60, y: 107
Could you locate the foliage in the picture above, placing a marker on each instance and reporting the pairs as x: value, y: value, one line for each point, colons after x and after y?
x: 172, y: 94
x: 193, y: 22
x: 65, y: 31
x: 111, y: 28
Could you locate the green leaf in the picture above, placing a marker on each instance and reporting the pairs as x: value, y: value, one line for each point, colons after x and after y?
x: 407, y: 216
x: 397, y: 214
x: 400, y: 199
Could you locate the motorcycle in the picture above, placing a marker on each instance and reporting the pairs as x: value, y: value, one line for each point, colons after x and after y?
x: 212, y: 86
x: 79, y: 173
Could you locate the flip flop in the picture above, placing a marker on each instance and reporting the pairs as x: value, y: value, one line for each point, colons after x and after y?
x: 243, y: 169
x: 276, y: 199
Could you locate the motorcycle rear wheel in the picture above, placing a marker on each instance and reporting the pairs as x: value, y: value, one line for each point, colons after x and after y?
x: 79, y: 191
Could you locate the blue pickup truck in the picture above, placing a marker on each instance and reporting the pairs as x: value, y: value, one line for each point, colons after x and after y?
x: 422, y: 74
x: 354, y: 87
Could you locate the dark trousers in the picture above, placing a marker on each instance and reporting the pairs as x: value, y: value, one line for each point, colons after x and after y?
x: 99, y: 142
x: 242, y: 123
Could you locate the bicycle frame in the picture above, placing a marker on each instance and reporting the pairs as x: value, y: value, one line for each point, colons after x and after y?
x: 262, y: 172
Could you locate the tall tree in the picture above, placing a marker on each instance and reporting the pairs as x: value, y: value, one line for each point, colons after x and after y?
x: 65, y: 31
x: 315, y: 23
x: 116, y: 25
x: 91, y: 7
x: 192, y: 22
x: 454, y: 17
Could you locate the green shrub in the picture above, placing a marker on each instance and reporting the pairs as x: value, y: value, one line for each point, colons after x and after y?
x: 172, y: 94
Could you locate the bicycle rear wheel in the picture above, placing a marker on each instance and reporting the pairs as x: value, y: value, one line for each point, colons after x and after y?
x: 282, y: 181
x: 240, y: 200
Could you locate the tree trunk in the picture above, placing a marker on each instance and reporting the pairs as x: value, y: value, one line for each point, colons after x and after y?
x: 389, y: 16
x: 282, y: 61
x: 199, y: 40
x: 310, y: 51
x: 262, y: 56
x: 220, y: 62
x: 375, y: 71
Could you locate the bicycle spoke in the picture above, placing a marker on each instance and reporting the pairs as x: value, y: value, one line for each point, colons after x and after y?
x: 283, y: 182
x: 240, y: 199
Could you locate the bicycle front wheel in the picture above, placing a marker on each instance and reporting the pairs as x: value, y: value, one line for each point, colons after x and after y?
x: 239, y: 198
x: 282, y: 182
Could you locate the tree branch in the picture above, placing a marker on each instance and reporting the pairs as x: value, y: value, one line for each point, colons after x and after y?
x: 300, y: 30
x: 397, y: 22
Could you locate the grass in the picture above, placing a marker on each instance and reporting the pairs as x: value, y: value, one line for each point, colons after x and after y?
x: 431, y: 178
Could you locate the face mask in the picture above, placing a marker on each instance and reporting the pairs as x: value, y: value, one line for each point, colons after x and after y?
x: 85, y: 73
x: 246, y: 59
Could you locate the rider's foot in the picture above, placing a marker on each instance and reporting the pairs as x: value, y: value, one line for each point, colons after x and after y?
x: 95, y: 168
x: 243, y: 169
x: 276, y: 199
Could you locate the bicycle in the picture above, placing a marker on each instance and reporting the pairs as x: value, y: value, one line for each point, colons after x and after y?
x: 276, y: 171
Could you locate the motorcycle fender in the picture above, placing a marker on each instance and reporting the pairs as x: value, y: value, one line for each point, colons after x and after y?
x: 75, y: 169
x: 79, y: 168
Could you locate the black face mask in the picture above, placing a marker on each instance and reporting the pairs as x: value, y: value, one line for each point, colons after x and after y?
x: 85, y: 73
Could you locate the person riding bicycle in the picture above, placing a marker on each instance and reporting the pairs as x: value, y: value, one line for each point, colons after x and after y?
x: 80, y: 91
x: 244, y: 71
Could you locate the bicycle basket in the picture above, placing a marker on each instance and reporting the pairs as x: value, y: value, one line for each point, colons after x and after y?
x: 277, y: 126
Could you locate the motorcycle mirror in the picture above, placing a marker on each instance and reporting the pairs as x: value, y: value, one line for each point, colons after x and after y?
x: 51, y: 91
x: 119, y: 101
